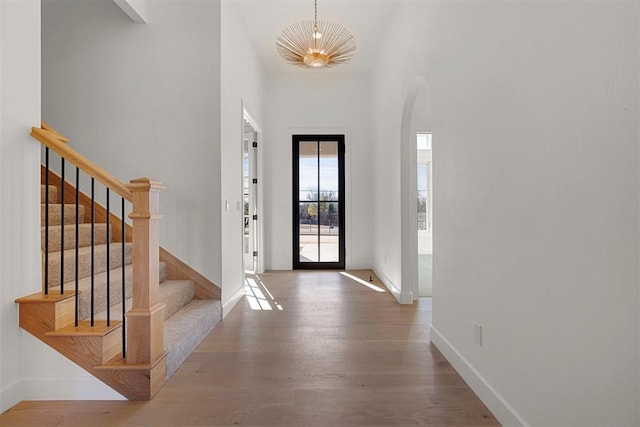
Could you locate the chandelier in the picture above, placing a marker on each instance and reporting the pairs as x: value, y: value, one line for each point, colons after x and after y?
x: 316, y: 43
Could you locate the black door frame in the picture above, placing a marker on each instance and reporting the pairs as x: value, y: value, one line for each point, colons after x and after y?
x: 297, y: 265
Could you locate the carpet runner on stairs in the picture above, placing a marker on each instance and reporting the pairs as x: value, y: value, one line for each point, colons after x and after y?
x: 187, y: 320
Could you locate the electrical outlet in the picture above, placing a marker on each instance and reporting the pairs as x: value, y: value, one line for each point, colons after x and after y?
x: 477, y: 333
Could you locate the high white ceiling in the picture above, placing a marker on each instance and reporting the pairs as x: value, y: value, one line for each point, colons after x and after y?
x: 366, y: 19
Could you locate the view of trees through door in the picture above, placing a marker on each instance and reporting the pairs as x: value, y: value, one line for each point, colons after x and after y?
x: 318, y: 205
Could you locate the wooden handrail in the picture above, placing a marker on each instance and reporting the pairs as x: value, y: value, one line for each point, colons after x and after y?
x: 54, y: 142
x: 55, y: 133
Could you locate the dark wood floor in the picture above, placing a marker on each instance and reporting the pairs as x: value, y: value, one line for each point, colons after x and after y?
x: 326, y: 350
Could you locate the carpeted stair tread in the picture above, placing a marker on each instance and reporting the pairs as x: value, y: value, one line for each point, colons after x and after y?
x: 53, y: 194
x: 84, y: 264
x: 174, y: 294
x: 84, y: 234
x: 55, y: 214
x: 186, y: 329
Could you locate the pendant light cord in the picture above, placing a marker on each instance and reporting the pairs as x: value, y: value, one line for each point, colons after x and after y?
x: 315, y: 25
x: 315, y: 8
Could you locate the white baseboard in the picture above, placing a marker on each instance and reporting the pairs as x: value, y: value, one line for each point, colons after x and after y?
x: 401, y: 297
x: 406, y: 298
x: 489, y: 396
x: 10, y: 396
x: 78, y: 388
x: 228, y: 305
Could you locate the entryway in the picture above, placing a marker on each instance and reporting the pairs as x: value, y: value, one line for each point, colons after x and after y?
x: 250, y: 197
x: 318, y: 202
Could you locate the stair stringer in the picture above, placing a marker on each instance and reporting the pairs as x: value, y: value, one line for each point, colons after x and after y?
x: 50, y: 318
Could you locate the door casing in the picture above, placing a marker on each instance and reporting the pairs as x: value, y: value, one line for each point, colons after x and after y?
x: 297, y: 265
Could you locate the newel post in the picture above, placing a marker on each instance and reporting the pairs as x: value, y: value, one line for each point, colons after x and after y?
x: 145, y: 319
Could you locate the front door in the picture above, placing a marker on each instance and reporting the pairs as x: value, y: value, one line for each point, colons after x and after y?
x: 318, y: 202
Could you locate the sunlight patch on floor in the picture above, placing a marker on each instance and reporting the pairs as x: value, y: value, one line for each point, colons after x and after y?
x: 363, y: 282
x: 255, y: 290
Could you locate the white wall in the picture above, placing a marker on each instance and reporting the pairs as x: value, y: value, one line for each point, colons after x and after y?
x: 144, y: 100
x: 242, y: 85
x: 19, y: 159
x: 535, y: 122
x: 393, y: 78
x: 19, y: 181
x: 312, y: 102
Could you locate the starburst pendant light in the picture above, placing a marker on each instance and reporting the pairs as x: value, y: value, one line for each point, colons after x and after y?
x: 316, y: 43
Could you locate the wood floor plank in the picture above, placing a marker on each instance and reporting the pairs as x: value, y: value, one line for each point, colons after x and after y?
x: 303, y: 349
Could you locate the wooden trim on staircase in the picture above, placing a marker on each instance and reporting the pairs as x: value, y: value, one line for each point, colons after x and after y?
x: 145, y: 320
x: 55, y: 133
x: 177, y: 269
x: 49, y: 139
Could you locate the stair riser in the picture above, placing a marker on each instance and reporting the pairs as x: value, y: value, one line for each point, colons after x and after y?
x: 53, y: 194
x: 84, y: 264
x: 88, y: 351
x: 55, y: 214
x: 176, y: 298
x: 84, y: 236
x: 39, y: 319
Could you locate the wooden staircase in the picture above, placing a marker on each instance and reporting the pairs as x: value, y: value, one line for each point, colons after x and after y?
x: 94, y: 273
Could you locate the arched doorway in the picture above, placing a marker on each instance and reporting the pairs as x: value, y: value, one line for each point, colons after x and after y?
x: 416, y: 119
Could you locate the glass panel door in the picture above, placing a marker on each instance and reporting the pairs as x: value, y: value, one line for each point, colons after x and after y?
x: 250, y: 198
x: 318, y: 191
